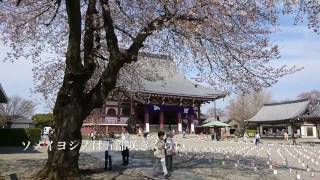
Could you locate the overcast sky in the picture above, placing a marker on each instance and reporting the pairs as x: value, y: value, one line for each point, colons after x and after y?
x: 298, y: 46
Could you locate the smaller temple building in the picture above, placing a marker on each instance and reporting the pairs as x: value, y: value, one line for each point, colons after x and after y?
x: 298, y: 116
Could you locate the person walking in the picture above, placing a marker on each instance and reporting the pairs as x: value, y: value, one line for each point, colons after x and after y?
x: 184, y: 132
x: 91, y: 136
x: 294, y: 139
x: 159, y: 155
x: 257, y: 138
x: 108, y: 156
x: 245, y: 137
x: 285, y: 136
x: 94, y: 135
x: 298, y: 133
x: 139, y: 131
x: 170, y: 150
x: 145, y: 136
x: 125, y: 137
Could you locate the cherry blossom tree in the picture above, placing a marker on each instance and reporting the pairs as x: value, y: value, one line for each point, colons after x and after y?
x: 303, y: 10
x: 313, y: 96
x: 81, y: 47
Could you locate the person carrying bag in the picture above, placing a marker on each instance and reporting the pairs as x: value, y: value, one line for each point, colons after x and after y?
x: 170, y: 151
x: 159, y: 156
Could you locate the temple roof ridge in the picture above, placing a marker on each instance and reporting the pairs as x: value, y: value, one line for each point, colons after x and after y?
x: 286, y: 102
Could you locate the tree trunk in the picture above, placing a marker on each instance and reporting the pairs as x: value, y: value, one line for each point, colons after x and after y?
x: 69, y: 110
x: 62, y: 163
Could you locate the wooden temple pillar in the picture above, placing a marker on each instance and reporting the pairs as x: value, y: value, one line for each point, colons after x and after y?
x: 179, y: 119
x: 107, y: 129
x: 161, y: 119
x: 146, y: 119
x: 290, y: 132
x: 119, y: 110
x: 132, y: 111
x: 199, y: 114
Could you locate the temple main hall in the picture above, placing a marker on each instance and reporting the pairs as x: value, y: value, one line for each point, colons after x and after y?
x: 170, y: 102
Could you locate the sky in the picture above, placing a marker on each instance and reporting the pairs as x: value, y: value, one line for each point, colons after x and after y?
x: 298, y: 46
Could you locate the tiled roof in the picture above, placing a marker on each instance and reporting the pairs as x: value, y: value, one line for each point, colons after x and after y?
x: 315, y: 113
x: 281, y: 111
x: 225, y: 119
x: 179, y: 85
x: 3, y: 96
x: 17, y: 119
x: 176, y: 83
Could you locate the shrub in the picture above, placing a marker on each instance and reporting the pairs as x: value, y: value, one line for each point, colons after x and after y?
x: 15, y: 136
x: 43, y: 120
x: 33, y: 134
x: 251, y: 133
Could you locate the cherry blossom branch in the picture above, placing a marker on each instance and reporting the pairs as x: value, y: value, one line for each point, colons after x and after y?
x: 58, y: 4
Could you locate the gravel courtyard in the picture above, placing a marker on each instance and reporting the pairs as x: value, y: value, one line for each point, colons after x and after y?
x: 198, y: 158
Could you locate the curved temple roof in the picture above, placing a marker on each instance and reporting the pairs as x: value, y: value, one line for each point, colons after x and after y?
x: 174, y: 82
x: 281, y: 111
x: 178, y: 85
x: 314, y: 113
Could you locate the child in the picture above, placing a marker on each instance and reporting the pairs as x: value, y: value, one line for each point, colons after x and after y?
x: 159, y: 154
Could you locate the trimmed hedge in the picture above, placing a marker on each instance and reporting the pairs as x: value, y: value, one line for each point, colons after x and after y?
x: 251, y: 133
x: 34, y: 134
x: 15, y: 136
